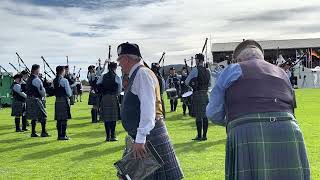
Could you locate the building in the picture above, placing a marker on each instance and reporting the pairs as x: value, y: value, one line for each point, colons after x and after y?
x: 291, y: 48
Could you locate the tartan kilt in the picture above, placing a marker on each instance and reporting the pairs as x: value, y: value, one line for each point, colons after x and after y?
x: 159, y: 138
x: 93, y: 99
x: 18, y: 108
x: 109, y: 108
x: 36, y: 109
x: 200, y: 100
x: 62, y: 109
x: 266, y: 150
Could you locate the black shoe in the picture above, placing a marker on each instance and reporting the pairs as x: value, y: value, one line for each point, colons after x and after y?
x: 25, y: 129
x: 34, y: 135
x: 113, y: 139
x: 197, y: 139
x: 45, y: 134
x: 64, y: 138
x: 204, y: 138
x: 19, y: 130
x: 107, y: 139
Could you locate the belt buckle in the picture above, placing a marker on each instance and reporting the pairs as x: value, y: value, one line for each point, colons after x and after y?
x: 273, y: 119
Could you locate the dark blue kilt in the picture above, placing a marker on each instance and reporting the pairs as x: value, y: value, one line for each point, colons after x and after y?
x: 36, y: 109
x: 62, y: 109
x: 17, y: 108
x: 160, y: 140
x: 200, y: 100
x: 109, y: 108
x: 93, y: 99
x: 266, y: 150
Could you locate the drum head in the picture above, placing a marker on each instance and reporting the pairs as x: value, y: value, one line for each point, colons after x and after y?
x: 122, y: 93
x: 187, y: 94
x: 171, y: 90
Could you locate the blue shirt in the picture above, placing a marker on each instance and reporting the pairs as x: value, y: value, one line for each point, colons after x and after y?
x: 215, y: 109
x: 65, y: 83
x: 36, y: 82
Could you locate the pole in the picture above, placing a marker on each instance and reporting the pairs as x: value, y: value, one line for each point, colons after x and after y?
x: 14, y: 67
x: 48, y: 65
x: 23, y: 63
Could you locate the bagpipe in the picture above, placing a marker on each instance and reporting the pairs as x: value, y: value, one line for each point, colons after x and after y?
x: 47, y: 84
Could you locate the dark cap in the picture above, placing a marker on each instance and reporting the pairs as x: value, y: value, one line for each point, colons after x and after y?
x: 246, y: 44
x: 199, y: 57
x: 59, y: 69
x: 35, y: 67
x: 24, y: 72
x: 91, y: 67
x: 66, y: 67
x: 112, y: 65
x: 17, y: 76
x: 129, y: 48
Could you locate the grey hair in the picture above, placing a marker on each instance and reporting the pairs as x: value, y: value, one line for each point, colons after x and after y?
x: 133, y: 57
x: 250, y: 53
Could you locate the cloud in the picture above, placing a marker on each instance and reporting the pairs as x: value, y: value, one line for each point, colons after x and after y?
x: 83, y: 29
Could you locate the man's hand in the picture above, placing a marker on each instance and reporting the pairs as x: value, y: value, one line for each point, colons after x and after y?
x: 139, y: 151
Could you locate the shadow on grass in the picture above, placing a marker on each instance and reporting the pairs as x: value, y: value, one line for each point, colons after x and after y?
x: 82, y: 118
x: 23, y: 146
x: 94, y: 154
x: 94, y: 134
x: 196, y: 146
x: 7, y: 127
x: 47, y: 153
x: 11, y: 140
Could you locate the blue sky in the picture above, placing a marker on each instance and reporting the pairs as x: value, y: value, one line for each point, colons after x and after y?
x: 83, y: 29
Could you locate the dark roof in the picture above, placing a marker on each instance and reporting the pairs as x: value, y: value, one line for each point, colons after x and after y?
x: 272, y: 44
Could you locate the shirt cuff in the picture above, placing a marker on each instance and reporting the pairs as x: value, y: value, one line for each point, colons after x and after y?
x: 140, y: 138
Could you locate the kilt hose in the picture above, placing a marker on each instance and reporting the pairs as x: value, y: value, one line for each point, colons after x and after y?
x: 36, y: 109
x: 62, y: 109
x: 160, y: 140
x: 261, y: 149
x: 109, y: 108
x: 17, y: 108
x: 200, y: 100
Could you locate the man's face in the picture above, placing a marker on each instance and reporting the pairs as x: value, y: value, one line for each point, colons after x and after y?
x: 37, y: 72
x: 18, y: 80
x: 25, y: 76
x: 172, y: 71
x: 124, y: 64
x: 66, y: 70
x: 63, y: 73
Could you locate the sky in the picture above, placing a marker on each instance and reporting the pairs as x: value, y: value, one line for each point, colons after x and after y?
x: 83, y: 29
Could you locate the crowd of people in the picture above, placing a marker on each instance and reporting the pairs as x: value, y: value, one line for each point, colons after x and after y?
x: 253, y: 99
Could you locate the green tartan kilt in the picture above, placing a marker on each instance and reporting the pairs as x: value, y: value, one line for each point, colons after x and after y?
x: 62, y: 109
x: 109, y: 108
x: 17, y: 108
x: 266, y: 150
x: 200, y: 100
x: 36, y: 109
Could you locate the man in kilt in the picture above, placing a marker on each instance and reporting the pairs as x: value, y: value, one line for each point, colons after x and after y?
x: 142, y: 115
x: 79, y: 90
x: 185, y: 88
x: 255, y: 101
x: 93, y: 95
x: 199, y: 79
x: 173, y: 81
x: 110, y: 86
x: 72, y: 82
x: 62, y: 113
x: 18, y: 103
x: 35, y: 102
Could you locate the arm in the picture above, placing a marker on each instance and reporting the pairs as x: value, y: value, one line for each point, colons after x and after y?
x: 193, y: 74
x: 144, y: 87
x: 17, y: 89
x: 215, y: 109
x: 38, y: 84
x: 64, y: 83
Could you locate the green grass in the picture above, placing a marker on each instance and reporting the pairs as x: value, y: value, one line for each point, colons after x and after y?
x: 87, y: 156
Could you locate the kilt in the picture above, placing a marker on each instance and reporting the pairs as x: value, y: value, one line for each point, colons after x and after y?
x: 160, y: 140
x: 187, y: 100
x: 36, y: 109
x: 93, y: 99
x: 109, y: 108
x: 266, y: 149
x: 18, y: 108
x: 62, y: 109
x: 200, y: 100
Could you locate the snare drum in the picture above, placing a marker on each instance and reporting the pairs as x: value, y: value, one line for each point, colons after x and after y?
x: 187, y: 94
x: 172, y: 93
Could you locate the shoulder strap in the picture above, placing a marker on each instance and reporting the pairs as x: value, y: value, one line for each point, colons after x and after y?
x: 131, y: 79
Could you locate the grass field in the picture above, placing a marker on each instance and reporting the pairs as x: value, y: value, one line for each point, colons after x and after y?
x: 88, y: 156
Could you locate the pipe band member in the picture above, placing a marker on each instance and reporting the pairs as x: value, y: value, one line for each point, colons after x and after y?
x: 19, y: 102
x: 142, y: 115
x: 62, y: 92
x: 110, y: 86
x: 93, y: 95
x: 173, y: 81
x: 155, y: 67
x: 255, y: 101
x: 36, y: 94
x: 185, y: 88
x: 79, y: 90
x: 199, y: 79
x: 72, y: 82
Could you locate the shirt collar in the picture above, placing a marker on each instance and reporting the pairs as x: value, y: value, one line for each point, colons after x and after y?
x: 134, y: 68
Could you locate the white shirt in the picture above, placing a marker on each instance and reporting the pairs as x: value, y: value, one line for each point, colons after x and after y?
x: 143, y: 86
